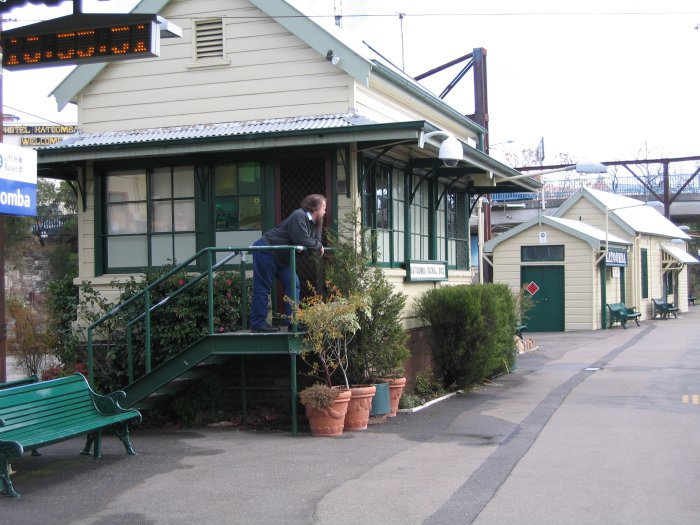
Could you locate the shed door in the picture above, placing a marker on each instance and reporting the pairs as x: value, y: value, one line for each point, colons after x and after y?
x: 547, y: 313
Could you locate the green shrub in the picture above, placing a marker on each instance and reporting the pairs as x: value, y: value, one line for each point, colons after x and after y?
x: 178, y: 323
x: 379, y: 347
x: 470, y: 330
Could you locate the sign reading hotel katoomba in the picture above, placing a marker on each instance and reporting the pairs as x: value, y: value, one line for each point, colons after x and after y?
x: 17, y: 180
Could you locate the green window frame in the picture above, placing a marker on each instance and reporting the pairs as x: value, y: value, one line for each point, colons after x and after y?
x: 457, y: 229
x: 420, y: 219
x: 644, y: 256
x: 383, y: 202
x: 149, y: 217
x: 542, y: 253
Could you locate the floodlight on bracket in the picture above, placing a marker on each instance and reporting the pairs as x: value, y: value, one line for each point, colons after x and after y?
x: 451, y: 151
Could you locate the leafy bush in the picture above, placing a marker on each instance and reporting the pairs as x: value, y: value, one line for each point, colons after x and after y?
x: 470, y: 330
x: 179, y: 322
x: 379, y: 347
x: 33, y: 342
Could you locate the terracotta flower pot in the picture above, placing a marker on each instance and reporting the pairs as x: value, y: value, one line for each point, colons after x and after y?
x: 357, y: 416
x: 396, y: 387
x: 329, y: 421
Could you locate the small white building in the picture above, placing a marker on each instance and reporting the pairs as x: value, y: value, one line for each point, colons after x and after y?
x: 598, y: 248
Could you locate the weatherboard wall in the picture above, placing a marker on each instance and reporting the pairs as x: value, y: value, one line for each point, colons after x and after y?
x: 267, y: 73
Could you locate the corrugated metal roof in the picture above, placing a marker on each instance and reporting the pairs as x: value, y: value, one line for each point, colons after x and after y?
x: 589, y: 231
x: 585, y: 232
x: 637, y: 215
x: 203, y: 131
x: 678, y: 253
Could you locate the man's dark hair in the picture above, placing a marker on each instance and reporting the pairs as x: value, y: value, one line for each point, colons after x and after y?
x: 312, y: 202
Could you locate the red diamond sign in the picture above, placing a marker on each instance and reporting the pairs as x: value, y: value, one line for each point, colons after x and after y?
x: 532, y: 287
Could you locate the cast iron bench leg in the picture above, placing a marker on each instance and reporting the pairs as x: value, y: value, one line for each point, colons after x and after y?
x: 122, y: 432
x: 5, y: 476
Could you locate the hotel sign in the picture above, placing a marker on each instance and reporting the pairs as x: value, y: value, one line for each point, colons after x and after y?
x: 426, y: 271
x: 616, y: 258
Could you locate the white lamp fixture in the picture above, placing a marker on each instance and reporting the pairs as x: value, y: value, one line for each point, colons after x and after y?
x: 451, y: 151
x: 332, y: 57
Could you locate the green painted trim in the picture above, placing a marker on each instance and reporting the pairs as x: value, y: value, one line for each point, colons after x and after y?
x: 98, y: 221
x: 603, y: 294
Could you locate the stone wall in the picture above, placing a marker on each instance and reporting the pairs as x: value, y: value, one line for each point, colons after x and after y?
x: 27, y: 269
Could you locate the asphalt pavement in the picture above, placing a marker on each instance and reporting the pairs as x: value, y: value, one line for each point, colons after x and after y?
x: 443, y: 464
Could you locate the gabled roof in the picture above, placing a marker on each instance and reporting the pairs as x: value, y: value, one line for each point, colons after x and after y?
x: 356, y: 59
x: 631, y: 215
x: 593, y: 236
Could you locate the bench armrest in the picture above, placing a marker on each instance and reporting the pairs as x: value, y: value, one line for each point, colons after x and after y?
x: 109, y: 404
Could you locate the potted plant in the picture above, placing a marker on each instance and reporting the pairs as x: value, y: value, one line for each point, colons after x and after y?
x: 330, y: 325
x: 325, y: 408
x: 378, y: 351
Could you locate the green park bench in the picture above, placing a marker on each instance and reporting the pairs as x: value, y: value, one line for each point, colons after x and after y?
x: 619, y: 313
x: 40, y: 414
x: 519, y: 329
x: 19, y: 382
x: 663, y: 309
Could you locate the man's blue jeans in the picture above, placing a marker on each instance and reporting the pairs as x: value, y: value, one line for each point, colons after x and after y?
x: 267, y: 268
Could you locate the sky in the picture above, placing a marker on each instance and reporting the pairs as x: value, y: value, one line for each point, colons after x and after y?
x: 596, y: 80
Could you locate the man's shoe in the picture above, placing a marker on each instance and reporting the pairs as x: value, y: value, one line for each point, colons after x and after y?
x: 267, y: 329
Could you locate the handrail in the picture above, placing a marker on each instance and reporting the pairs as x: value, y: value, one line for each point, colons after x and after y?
x: 208, y: 272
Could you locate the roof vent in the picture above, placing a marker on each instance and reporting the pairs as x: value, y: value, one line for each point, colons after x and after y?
x: 209, y: 39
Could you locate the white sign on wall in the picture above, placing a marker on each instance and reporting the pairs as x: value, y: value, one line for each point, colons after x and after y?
x: 543, y: 237
x: 17, y: 180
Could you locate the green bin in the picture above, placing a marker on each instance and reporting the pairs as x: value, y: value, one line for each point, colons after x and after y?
x: 380, y: 402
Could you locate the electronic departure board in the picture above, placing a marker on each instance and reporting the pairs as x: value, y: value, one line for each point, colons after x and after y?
x: 79, y: 39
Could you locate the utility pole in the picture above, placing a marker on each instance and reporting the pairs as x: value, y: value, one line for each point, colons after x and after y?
x: 3, y: 326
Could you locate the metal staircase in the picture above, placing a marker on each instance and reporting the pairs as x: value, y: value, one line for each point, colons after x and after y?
x: 165, y: 380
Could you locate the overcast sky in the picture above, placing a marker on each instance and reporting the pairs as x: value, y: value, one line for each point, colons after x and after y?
x: 597, y: 79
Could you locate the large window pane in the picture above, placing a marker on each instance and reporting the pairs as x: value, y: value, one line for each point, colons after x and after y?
x: 183, y: 181
x: 184, y: 216
x: 249, y: 177
x: 226, y: 215
x: 185, y: 246
x: 238, y: 201
x: 250, y: 213
x: 225, y: 180
x: 126, y: 218
x: 161, y: 250
x: 129, y: 251
x: 161, y: 184
x: 161, y: 216
x: 127, y: 187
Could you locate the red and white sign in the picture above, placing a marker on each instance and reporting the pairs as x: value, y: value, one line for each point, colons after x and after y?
x: 532, y: 288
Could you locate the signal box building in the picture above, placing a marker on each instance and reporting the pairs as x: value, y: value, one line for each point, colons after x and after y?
x: 255, y: 106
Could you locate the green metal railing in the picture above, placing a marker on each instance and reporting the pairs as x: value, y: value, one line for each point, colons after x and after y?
x: 208, y: 254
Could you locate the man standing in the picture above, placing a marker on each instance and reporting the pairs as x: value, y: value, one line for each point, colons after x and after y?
x: 302, y: 227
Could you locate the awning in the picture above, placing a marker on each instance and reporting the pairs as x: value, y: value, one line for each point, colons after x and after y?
x: 675, y: 257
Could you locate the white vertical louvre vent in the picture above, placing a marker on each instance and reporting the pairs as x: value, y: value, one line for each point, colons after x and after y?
x: 209, y: 39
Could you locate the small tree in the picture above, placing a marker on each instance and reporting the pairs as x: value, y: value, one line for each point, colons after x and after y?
x: 331, y: 325
x: 379, y: 348
x: 33, y: 342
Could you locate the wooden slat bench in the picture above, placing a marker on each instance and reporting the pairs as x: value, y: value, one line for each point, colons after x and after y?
x: 40, y: 414
x: 619, y: 313
x: 663, y: 309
